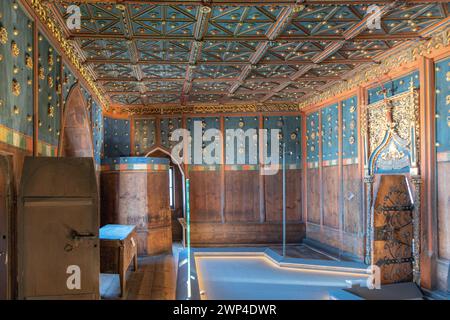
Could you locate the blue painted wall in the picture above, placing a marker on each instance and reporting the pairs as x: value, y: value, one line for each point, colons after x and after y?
x: 206, y: 123
x: 168, y: 125
x: 350, y: 128
x: 330, y: 133
x: 442, y: 72
x: 394, y: 87
x: 312, y: 137
x: 144, y: 135
x: 16, y: 111
x: 290, y: 129
x: 117, y: 137
x: 49, y: 88
x: 244, y: 123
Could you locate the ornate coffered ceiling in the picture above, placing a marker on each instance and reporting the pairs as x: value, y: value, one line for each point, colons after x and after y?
x: 145, y: 53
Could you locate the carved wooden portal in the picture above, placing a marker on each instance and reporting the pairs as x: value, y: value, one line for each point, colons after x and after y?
x: 393, y: 230
x: 391, y: 156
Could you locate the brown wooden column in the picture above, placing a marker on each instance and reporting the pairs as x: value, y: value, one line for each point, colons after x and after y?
x: 428, y: 221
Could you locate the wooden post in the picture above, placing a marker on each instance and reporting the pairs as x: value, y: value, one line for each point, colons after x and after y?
x: 427, y: 112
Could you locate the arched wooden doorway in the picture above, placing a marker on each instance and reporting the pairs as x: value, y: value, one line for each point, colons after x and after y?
x: 180, y: 192
x: 76, y: 138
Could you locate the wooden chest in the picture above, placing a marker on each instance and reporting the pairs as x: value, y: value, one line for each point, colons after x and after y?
x: 118, y: 248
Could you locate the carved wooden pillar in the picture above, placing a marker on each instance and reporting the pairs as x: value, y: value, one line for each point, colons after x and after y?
x: 368, y: 181
x: 417, y: 182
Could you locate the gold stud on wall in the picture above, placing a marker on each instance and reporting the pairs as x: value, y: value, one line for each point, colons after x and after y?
x: 15, y: 88
x: 51, y: 111
x: 50, y: 81
x: 15, y: 50
x: 3, y: 35
x: 41, y: 73
x: 29, y: 61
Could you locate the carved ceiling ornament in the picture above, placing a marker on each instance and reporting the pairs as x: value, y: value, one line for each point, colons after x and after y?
x: 439, y: 40
x: 392, y: 132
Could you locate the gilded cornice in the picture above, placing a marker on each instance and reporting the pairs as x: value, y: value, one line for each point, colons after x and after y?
x: 408, y: 55
x: 207, y: 108
x: 45, y: 16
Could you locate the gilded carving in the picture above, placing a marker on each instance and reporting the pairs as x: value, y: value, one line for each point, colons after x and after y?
x: 51, y: 111
x: 29, y: 62
x: 15, y: 50
x: 50, y: 60
x: 367, y: 73
x: 393, y: 124
x: 50, y: 81
x: 3, y: 35
x: 15, y: 88
x: 46, y: 17
x: 41, y: 73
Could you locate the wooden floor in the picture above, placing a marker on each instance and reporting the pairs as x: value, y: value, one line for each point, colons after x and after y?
x: 155, y: 279
x: 157, y: 275
x: 301, y: 251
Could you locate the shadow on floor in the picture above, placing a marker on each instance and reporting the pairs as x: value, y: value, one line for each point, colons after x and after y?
x: 155, y: 279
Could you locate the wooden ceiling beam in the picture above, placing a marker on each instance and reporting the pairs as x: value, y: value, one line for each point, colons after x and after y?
x: 229, y: 63
x: 284, y: 18
x: 250, y: 2
x: 281, y: 38
x: 216, y: 80
x: 302, y: 71
x: 218, y: 92
x: 200, y: 29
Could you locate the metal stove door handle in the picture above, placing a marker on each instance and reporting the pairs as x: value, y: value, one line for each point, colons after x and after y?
x: 84, y: 236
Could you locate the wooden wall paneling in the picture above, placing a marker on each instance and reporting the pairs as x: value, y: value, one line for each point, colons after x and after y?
x: 294, y: 201
x: 313, y: 175
x: 320, y: 169
x: 304, y: 169
x: 428, y: 159
x: 206, y: 194
x: 262, y: 178
x: 242, y: 196
x: 330, y: 187
x: 329, y: 170
x: 313, y: 196
x: 274, y: 197
x: 341, y: 179
x: 222, y: 172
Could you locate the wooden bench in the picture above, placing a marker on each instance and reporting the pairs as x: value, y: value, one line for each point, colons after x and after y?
x: 118, y: 248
